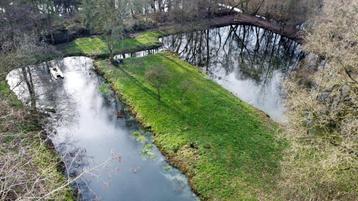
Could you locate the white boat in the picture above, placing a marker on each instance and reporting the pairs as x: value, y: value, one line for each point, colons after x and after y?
x: 56, y: 72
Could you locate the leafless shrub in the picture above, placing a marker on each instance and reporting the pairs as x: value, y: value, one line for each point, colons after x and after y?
x: 322, y: 163
x: 29, y: 170
x: 23, y: 173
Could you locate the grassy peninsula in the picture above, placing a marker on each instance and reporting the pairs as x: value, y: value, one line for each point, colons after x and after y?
x: 229, y: 150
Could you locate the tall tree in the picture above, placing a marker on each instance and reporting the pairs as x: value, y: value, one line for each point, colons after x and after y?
x: 108, y: 17
x: 88, y: 13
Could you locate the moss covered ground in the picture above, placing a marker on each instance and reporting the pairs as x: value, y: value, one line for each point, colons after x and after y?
x: 229, y: 150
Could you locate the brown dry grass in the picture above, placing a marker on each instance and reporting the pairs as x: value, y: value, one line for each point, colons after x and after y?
x: 28, y: 169
x: 322, y: 163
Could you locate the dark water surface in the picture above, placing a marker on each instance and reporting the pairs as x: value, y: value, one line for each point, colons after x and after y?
x: 91, y: 129
x: 248, y: 61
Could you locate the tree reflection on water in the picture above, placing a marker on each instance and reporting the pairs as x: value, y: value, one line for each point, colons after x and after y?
x: 241, y: 58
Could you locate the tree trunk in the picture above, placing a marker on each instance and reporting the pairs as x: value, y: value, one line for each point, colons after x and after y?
x: 159, y: 97
x: 30, y: 87
x: 207, y: 50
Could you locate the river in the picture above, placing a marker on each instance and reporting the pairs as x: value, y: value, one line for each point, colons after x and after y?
x: 93, y: 132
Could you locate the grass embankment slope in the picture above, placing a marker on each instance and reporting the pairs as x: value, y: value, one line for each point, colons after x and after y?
x: 29, y: 168
x: 228, y: 149
x: 96, y: 46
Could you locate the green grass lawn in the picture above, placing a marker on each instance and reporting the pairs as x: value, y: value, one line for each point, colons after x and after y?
x: 228, y: 149
x: 97, y: 47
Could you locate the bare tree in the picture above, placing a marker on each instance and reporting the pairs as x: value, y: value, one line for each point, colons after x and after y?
x: 109, y: 18
x: 158, y: 77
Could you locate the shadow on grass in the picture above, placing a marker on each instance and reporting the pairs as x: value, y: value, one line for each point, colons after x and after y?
x: 154, y: 95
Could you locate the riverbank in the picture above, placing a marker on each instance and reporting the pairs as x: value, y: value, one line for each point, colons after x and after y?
x: 228, y: 149
x: 96, y: 47
x: 30, y: 166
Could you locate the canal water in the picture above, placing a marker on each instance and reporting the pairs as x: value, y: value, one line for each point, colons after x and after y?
x: 97, y: 136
